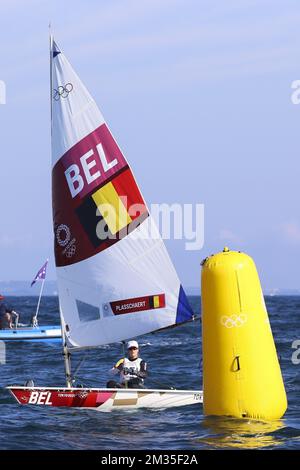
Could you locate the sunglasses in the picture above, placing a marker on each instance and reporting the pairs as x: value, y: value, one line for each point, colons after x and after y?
x: 133, y: 347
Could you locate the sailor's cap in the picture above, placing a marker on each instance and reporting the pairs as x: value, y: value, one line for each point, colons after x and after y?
x: 132, y: 344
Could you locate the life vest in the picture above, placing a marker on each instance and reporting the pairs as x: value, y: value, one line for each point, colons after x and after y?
x: 129, y: 368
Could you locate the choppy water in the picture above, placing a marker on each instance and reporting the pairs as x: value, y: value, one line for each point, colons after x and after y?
x: 174, y: 357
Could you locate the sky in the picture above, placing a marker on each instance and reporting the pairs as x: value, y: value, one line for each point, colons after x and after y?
x: 198, y: 96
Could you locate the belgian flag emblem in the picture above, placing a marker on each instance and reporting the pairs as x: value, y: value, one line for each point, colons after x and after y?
x: 113, y: 210
x: 157, y: 301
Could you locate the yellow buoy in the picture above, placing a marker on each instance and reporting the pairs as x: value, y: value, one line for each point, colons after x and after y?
x: 241, y: 372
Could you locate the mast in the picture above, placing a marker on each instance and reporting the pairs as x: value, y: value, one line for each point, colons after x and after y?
x: 39, y: 302
x: 66, y: 352
x: 67, y: 361
x: 51, y: 73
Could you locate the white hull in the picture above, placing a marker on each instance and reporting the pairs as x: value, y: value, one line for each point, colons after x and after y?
x: 104, y: 399
x: 137, y: 399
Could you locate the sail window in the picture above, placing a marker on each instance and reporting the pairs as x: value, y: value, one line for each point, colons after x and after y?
x: 87, y: 312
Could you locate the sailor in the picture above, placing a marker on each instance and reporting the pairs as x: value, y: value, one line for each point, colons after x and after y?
x: 132, y: 369
x: 7, y: 315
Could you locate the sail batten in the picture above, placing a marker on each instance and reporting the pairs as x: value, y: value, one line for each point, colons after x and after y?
x: 115, y: 277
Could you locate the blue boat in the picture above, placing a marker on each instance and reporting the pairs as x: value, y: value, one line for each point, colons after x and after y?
x: 31, y: 333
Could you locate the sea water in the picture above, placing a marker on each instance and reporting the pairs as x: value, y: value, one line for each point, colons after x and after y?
x: 174, y: 360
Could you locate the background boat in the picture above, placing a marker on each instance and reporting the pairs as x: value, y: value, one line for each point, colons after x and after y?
x: 31, y: 333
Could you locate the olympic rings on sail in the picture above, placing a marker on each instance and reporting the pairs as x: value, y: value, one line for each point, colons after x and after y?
x: 62, y: 91
x: 234, y: 320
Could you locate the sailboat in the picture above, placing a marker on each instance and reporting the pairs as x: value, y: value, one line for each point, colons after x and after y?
x: 115, y: 278
x: 32, y: 331
x: 26, y: 332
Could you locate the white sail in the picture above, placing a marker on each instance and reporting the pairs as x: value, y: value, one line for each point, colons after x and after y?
x: 115, y: 278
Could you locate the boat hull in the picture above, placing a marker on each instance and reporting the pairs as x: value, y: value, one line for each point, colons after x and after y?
x: 47, y: 332
x: 104, y: 399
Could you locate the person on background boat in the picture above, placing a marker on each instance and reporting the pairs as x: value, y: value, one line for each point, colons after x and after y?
x: 132, y: 369
x: 7, y: 315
